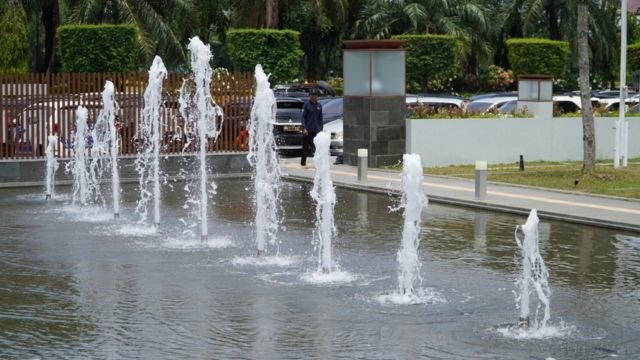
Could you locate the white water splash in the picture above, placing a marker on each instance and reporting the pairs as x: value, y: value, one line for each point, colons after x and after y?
x: 263, y: 157
x: 413, y: 201
x: 415, y: 297
x: 104, y: 150
x: 51, y: 167
x: 148, y: 159
x: 323, y: 193
x: 77, y: 166
x: 337, y: 276
x: 203, y: 120
x: 278, y: 260
x: 534, y: 276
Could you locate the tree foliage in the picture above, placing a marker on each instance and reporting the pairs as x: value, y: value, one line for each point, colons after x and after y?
x: 538, y: 56
x: 277, y: 50
x: 97, y: 48
x: 14, y: 46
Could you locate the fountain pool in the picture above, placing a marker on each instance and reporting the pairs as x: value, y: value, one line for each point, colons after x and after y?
x: 75, y: 283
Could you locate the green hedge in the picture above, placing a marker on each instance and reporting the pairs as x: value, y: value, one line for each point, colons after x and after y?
x: 14, y: 41
x: 277, y: 50
x: 432, y: 61
x: 538, y: 56
x: 633, y: 57
x: 97, y: 48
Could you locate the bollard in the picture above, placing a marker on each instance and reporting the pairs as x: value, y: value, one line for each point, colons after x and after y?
x: 481, y: 180
x: 363, y: 163
x: 521, y: 167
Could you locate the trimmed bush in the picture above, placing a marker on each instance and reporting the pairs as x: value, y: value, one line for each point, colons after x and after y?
x: 277, y: 50
x: 14, y: 41
x: 97, y: 48
x: 633, y: 57
x: 432, y: 61
x: 538, y: 56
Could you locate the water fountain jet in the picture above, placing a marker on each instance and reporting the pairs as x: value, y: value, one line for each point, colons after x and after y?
x: 323, y: 193
x: 534, y: 274
x: 52, y: 166
x: 148, y: 160
x: 203, y: 119
x: 263, y: 157
x: 413, y: 201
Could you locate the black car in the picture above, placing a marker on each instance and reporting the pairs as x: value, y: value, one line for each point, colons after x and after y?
x: 287, y: 128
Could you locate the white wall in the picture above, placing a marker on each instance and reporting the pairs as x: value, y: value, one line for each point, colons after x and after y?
x: 442, y: 142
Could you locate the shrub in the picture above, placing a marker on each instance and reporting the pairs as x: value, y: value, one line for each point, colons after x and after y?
x: 277, y: 50
x: 538, y: 56
x: 14, y: 44
x: 633, y: 57
x: 431, y: 61
x: 97, y: 48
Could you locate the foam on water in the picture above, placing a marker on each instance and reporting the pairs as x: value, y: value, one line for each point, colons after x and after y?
x: 132, y: 230
x: 276, y: 260
x: 75, y: 213
x: 336, y: 276
x: 416, y: 297
x: 189, y: 243
x: 549, y: 331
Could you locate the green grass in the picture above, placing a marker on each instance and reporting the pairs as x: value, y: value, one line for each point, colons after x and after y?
x: 624, y: 182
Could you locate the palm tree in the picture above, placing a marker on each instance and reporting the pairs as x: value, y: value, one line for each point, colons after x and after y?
x: 588, y: 128
x: 468, y: 20
x: 48, y: 12
x: 160, y: 22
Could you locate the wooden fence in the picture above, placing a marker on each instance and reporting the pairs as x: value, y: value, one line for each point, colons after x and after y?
x: 35, y: 106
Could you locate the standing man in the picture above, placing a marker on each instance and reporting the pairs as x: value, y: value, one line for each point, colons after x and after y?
x: 311, y: 124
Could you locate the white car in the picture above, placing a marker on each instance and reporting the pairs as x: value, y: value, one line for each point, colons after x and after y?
x: 335, y: 129
x: 484, y: 105
x: 435, y: 102
x: 33, y: 125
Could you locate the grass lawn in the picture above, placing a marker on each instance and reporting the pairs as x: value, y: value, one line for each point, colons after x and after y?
x: 624, y: 182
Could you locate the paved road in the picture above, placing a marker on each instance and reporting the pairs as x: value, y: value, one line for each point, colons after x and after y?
x: 617, y: 213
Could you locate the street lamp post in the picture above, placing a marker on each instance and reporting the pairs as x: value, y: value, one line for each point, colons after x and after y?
x: 622, y: 136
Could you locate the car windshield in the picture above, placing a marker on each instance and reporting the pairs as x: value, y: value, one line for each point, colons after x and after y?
x: 478, y: 106
x: 289, y: 104
x: 508, y: 107
x: 333, y: 107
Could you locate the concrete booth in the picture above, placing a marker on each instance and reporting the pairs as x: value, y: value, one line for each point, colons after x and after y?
x: 374, y: 101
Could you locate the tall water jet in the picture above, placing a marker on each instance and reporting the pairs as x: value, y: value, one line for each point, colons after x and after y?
x: 104, y: 150
x: 52, y: 166
x: 78, y: 166
x: 323, y: 193
x: 534, y: 274
x: 413, y: 201
x: 202, y: 114
x: 263, y: 157
x: 148, y: 160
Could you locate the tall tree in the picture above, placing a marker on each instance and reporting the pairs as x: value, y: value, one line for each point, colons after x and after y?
x: 588, y: 127
x: 49, y: 13
x: 14, y: 47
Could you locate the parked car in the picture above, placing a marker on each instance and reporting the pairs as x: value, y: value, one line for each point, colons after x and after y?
x: 335, y: 129
x: 34, y: 124
x: 287, y: 128
x: 322, y: 88
x: 434, y: 103
x: 488, y: 104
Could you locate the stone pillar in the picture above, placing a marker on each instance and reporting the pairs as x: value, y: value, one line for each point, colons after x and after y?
x: 374, y: 101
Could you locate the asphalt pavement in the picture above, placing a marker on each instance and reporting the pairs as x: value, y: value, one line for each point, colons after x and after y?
x: 576, y: 207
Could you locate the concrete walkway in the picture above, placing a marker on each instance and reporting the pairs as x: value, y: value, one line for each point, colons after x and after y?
x: 616, y: 213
